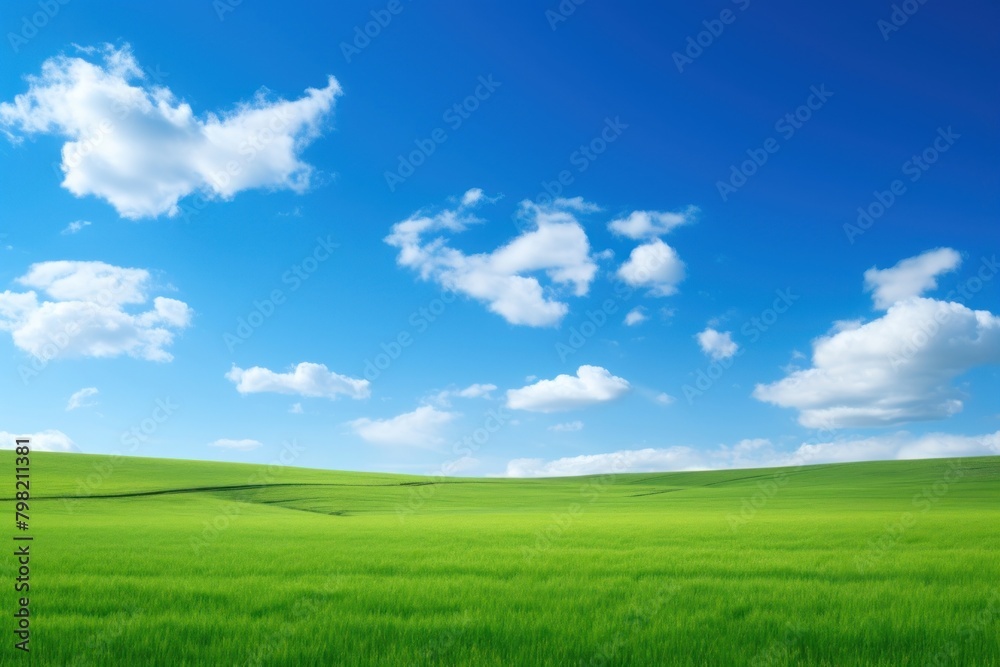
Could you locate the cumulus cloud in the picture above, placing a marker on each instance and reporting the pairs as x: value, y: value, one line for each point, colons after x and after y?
x: 590, y: 385
x: 760, y: 453
x: 91, y: 312
x: 244, y: 445
x: 509, y: 279
x: 306, y: 379
x: 653, y: 265
x: 716, y: 344
x: 567, y: 427
x: 141, y: 149
x: 476, y: 391
x: 636, y: 316
x: 896, y: 368
x: 420, y: 428
x: 82, y: 399
x: 75, y: 226
x: 472, y: 391
x: 43, y: 441
x: 647, y: 224
x: 910, y: 277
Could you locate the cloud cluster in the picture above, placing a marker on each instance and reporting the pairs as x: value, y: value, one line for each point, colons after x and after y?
x: 306, y: 379
x: 138, y: 147
x: 509, y: 279
x: 591, y: 385
x: 760, y: 453
x: 90, y: 312
x: 898, y: 367
x: 652, y: 265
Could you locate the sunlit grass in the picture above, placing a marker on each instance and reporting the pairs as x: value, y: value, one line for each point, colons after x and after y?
x: 346, y: 568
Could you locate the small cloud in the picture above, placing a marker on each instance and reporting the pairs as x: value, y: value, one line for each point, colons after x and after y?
x: 307, y: 379
x: 567, y: 427
x: 636, y: 316
x: 716, y: 344
x: 296, y: 409
x: 664, y: 398
x: 244, y: 445
x: 647, y: 224
x: 420, y: 428
x: 75, y: 226
x: 82, y: 399
x: 477, y: 391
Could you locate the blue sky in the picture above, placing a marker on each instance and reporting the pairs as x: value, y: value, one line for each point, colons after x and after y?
x: 585, y: 237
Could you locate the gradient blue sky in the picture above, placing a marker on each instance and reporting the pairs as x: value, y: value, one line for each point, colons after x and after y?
x: 555, y: 82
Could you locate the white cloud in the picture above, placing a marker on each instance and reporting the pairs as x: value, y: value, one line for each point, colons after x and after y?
x: 420, y: 428
x: 306, y: 379
x: 82, y: 399
x: 296, y: 409
x: 87, y: 315
x: 760, y: 453
x: 75, y: 226
x: 590, y: 385
x: 893, y: 369
x: 43, y: 441
x: 664, y: 398
x: 647, y: 224
x: 910, y: 277
x: 508, y: 279
x: 443, y: 398
x: 137, y: 146
x: 476, y: 391
x: 244, y: 445
x: 636, y: 316
x: 716, y: 344
x: 654, y: 265
x: 567, y: 427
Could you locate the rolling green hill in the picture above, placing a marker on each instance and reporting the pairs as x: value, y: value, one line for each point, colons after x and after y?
x: 169, y: 562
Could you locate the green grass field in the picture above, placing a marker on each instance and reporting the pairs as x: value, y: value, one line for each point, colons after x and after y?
x: 894, y: 563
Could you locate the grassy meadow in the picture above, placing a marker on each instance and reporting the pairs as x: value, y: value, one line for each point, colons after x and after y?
x: 169, y: 562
